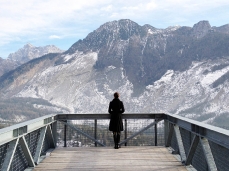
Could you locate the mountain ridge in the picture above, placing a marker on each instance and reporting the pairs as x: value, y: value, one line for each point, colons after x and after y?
x: 180, y: 70
x: 29, y: 52
x: 25, y: 54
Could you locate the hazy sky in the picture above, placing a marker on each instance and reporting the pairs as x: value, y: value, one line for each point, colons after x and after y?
x: 62, y: 23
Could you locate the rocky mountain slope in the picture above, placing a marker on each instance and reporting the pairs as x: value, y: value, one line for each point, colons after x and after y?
x: 6, y: 65
x: 147, y: 53
x: 25, y: 54
x: 179, y: 70
x: 29, y: 52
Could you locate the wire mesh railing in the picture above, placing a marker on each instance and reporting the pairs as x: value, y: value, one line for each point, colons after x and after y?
x: 98, y: 129
x: 3, y: 151
x: 19, y: 161
x: 32, y: 139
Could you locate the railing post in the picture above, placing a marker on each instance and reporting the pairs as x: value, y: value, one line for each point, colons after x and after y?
x: 166, y: 130
x: 65, y: 134
x: 95, y: 133
x: 155, y: 130
x: 125, y: 131
x: 54, y: 130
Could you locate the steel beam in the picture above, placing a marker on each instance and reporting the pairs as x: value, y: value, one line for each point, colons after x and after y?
x: 65, y: 133
x: 139, y: 132
x: 26, y: 151
x: 107, y: 116
x: 208, y: 154
x: 192, y: 149
x: 126, y: 131
x: 170, y: 135
x: 95, y: 131
x: 155, y: 130
x: 50, y: 136
x: 10, y: 154
x: 54, y: 132
x: 40, y: 145
x: 180, y: 143
x: 83, y: 133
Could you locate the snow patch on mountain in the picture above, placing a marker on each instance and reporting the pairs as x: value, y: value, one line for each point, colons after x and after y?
x: 156, y: 31
x: 76, y: 87
x: 211, y: 77
x: 59, y: 84
x: 165, y: 79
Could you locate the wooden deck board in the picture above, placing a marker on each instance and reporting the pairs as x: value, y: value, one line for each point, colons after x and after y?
x: 107, y: 158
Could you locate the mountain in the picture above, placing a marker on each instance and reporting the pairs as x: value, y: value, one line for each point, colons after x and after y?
x: 6, y: 65
x: 180, y: 70
x: 147, y: 53
x: 29, y: 52
x: 25, y: 54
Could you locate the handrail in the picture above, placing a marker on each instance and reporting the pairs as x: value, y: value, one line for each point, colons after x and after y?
x: 107, y: 116
x: 12, y: 132
x: 201, y: 124
x: 216, y: 134
x: 213, y: 133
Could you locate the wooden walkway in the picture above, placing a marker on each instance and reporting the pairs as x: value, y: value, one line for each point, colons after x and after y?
x: 106, y: 158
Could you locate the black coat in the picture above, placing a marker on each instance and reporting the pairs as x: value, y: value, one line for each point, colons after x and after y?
x: 116, y: 108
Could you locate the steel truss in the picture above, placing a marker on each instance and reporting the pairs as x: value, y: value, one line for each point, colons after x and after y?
x: 18, y: 139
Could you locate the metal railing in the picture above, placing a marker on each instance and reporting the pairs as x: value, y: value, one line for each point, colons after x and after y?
x: 203, y: 146
x: 21, y: 145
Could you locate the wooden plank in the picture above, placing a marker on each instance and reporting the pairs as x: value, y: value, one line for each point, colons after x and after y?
x: 107, y: 158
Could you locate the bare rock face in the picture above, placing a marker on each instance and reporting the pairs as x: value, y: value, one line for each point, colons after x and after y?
x: 201, y: 29
x: 6, y: 65
x: 146, y: 53
x: 222, y: 29
x: 29, y: 52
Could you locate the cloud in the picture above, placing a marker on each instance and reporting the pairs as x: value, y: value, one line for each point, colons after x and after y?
x: 107, y: 8
x: 54, y: 37
x: 39, y: 17
x: 30, y: 20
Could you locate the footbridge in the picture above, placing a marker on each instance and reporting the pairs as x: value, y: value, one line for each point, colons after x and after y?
x: 150, y: 141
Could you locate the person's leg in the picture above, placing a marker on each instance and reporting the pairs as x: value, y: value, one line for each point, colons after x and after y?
x: 115, y: 140
x: 118, y: 138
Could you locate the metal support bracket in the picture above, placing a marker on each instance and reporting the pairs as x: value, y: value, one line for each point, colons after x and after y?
x: 54, y: 132
x: 208, y: 154
x: 83, y: 133
x: 40, y: 145
x: 26, y: 151
x: 10, y: 154
x: 139, y: 132
x: 50, y: 136
x: 180, y: 143
x: 170, y: 135
x: 95, y: 132
x: 192, y: 150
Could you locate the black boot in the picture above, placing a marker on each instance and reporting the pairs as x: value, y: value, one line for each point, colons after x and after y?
x: 118, y: 140
x: 115, y: 141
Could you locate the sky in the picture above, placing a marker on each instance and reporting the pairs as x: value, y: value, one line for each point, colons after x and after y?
x: 62, y: 23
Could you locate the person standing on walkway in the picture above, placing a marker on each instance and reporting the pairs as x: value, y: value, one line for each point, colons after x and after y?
x: 116, y: 108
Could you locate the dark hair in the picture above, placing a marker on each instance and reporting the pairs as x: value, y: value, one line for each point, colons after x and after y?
x: 116, y: 95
